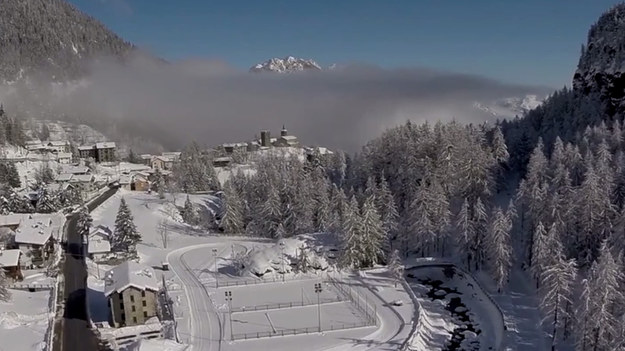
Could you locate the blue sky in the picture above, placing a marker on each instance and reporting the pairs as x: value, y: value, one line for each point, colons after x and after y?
x: 530, y: 42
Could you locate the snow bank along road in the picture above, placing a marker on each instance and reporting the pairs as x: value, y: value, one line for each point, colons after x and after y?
x: 205, y: 325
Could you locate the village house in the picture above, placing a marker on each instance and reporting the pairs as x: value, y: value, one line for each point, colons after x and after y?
x: 131, y: 290
x: 125, y: 182
x: 146, y: 159
x: 10, y: 263
x: 59, y: 146
x: 105, y: 152
x: 86, y: 151
x: 100, y: 152
x: 10, y: 221
x: 286, y: 140
x: 162, y: 162
x: 64, y: 158
x: 84, y: 182
x: 75, y: 170
x: 35, y: 238
x: 63, y: 177
x: 99, y: 244
x: 140, y: 182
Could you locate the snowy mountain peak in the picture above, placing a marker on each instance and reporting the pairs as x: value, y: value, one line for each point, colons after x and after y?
x: 510, y: 107
x: 288, y: 64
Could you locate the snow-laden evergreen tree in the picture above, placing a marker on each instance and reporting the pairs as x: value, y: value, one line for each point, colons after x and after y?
x: 466, y: 232
x: 421, y: 227
x: 9, y: 174
x: 601, y: 304
x: 499, y: 248
x: 395, y: 267
x: 351, y: 236
x: 541, y: 254
x: 271, y: 214
x: 159, y: 183
x: 44, y: 174
x: 5, y: 294
x: 303, y: 259
x: 557, y: 291
x: 48, y: 201
x: 500, y: 149
x: 372, y: 234
x: 19, y: 204
x: 189, y: 213
x: 125, y: 237
x: 480, y: 227
x: 84, y: 221
x: 232, y: 218
x: 385, y: 203
x: 321, y: 215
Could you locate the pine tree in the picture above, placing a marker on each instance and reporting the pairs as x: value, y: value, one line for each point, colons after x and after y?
x: 48, y: 202
x: 44, y: 174
x: 322, y: 216
x: 395, y: 267
x: 372, y: 234
x: 500, y: 150
x: 125, y: 237
x: 188, y: 213
x: 540, y: 253
x: 557, y: 288
x: 351, y: 236
x: 303, y: 260
x: 466, y: 232
x: 270, y: 213
x: 232, y: 219
x: 159, y: 183
x: 606, y: 301
x: 83, y: 224
x: 498, y: 247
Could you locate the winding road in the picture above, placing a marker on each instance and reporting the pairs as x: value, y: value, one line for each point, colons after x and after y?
x: 205, y: 323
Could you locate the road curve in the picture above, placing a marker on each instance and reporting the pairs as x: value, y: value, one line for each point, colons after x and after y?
x: 205, y: 324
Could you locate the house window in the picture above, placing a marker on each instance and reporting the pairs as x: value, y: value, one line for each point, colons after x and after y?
x: 123, y: 316
x: 144, y: 303
x: 134, y: 319
x: 121, y: 305
x: 132, y: 298
x: 145, y: 314
x: 133, y: 308
x: 142, y: 293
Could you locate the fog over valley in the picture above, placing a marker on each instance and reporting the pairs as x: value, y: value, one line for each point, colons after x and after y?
x: 213, y: 103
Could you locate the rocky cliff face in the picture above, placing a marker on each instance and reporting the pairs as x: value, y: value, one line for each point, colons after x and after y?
x: 51, y: 38
x: 601, y: 70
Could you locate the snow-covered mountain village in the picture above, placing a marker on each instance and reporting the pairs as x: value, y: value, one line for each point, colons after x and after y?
x: 260, y: 227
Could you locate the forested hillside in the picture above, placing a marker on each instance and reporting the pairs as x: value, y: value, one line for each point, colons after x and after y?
x: 52, y: 38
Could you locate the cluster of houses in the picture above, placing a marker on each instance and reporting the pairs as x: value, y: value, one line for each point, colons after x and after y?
x: 61, y: 151
x: 26, y: 241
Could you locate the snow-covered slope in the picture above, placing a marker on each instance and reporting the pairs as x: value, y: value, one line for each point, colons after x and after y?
x: 288, y: 64
x: 510, y: 107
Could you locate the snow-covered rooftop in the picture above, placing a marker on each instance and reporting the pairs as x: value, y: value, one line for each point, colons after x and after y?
x: 10, y: 220
x: 130, y: 274
x: 105, y: 145
x: 64, y: 155
x: 75, y: 169
x: 289, y: 137
x: 64, y: 177
x: 36, y: 231
x: 125, y: 179
x: 59, y: 143
x: 99, y: 240
x: 85, y: 147
x: 58, y: 186
x: 82, y: 178
x: 10, y: 258
x: 146, y: 157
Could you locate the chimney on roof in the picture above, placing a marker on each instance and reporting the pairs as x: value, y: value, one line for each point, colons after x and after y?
x: 284, y: 132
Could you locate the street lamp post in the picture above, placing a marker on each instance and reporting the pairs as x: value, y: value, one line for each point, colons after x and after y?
x: 318, y: 290
x: 215, y: 256
x: 282, y: 259
x: 229, y: 300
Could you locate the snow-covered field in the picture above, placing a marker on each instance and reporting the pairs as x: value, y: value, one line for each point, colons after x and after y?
x: 24, y: 321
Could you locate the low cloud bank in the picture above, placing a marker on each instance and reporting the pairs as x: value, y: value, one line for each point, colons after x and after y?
x: 213, y: 103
